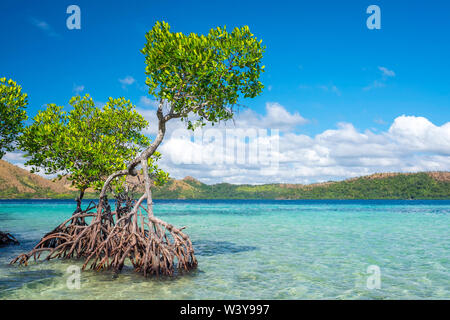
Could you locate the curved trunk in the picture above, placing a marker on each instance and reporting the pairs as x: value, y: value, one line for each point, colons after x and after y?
x: 78, y: 200
x: 147, y: 153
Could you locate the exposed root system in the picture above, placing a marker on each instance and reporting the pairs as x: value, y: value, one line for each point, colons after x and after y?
x: 7, y: 239
x: 106, y: 239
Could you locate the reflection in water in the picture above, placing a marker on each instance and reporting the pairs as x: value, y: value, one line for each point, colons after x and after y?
x: 211, y: 248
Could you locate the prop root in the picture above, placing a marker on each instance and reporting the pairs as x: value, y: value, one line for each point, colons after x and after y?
x: 129, y: 233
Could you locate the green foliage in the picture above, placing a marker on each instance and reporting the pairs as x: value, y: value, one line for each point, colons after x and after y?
x: 12, y: 114
x: 158, y: 176
x: 87, y: 143
x: 412, y: 186
x: 202, y: 74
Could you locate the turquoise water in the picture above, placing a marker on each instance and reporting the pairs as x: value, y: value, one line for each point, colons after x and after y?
x: 257, y: 250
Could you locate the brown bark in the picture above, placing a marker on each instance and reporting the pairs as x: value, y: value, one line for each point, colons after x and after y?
x: 78, y: 200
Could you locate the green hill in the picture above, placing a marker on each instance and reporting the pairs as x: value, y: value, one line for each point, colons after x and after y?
x: 425, y: 185
x: 17, y: 183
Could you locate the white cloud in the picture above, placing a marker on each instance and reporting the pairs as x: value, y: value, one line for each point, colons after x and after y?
x: 44, y: 26
x: 386, y: 72
x: 14, y: 157
x: 380, y: 83
x: 276, y: 117
x: 127, y: 81
x: 326, y: 88
x: 147, y: 102
x: 418, y: 134
x: 150, y: 116
x: 18, y: 159
x: 411, y: 144
x: 379, y: 121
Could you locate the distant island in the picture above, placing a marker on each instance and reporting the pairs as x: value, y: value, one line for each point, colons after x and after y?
x: 17, y: 183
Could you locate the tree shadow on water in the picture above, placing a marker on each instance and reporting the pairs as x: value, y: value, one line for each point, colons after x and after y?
x: 211, y: 248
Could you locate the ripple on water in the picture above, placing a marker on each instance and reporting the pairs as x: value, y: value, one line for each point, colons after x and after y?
x: 258, y: 250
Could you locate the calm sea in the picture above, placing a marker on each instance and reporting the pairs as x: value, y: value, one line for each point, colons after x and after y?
x: 258, y: 250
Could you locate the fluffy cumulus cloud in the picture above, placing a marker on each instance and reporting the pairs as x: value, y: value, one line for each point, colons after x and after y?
x: 325, y: 88
x: 249, y: 152
x: 266, y: 148
x: 147, y: 102
x: 276, y: 117
x: 18, y: 158
x: 418, y: 134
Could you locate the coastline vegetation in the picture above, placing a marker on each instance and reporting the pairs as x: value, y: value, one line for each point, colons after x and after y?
x: 400, y: 186
x: 422, y: 185
x: 86, y: 144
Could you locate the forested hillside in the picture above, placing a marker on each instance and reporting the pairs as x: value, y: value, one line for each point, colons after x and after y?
x: 17, y: 183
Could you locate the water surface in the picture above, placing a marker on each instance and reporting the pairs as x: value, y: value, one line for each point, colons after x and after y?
x: 255, y: 249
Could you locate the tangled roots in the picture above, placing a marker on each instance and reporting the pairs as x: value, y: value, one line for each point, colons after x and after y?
x: 109, y: 239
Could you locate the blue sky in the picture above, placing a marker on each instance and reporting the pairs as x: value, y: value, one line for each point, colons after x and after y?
x: 321, y: 60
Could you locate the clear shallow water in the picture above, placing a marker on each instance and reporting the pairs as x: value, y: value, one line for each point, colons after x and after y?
x: 257, y: 250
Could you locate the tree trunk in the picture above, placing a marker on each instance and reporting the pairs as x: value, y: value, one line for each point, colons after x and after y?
x: 78, y: 200
x: 147, y: 184
x: 145, y: 155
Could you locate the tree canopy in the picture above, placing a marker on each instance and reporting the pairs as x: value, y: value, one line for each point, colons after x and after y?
x: 87, y: 143
x: 12, y: 113
x: 200, y: 76
x: 203, y: 75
